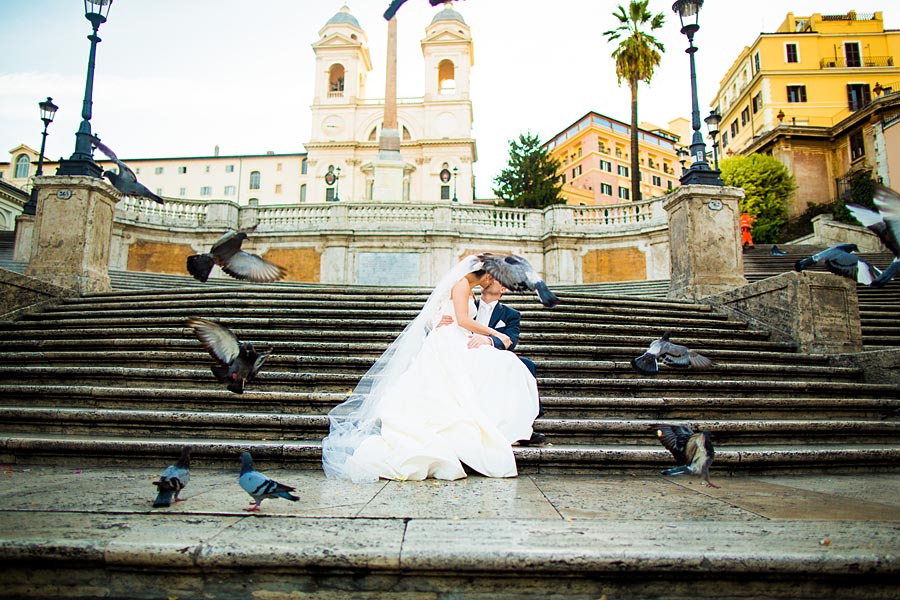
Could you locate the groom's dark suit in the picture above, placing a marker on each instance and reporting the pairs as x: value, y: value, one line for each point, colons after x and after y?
x: 506, y: 320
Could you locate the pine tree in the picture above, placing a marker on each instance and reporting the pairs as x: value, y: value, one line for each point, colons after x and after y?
x: 530, y: 179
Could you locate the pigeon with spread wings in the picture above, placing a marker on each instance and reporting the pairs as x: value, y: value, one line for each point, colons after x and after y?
x: 396, y: 4
x: 125, y: 180
x: 885, y: 223
x: 227, y: 253
x: 841, y: 260
x: 693, y: 452
x: 517, y: 275
x: 673, y: 355
x: 239, y: 362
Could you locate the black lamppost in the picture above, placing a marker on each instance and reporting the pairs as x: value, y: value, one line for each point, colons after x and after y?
x: 699, y: 171
x: 455, y: 173
x: 337, y: 183
x: 712, y: 124
x: 81, y: 162
x: 48, y: 111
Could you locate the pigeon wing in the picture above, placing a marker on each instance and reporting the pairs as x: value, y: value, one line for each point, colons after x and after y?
x: 511, y: 271
x: 252, y: 267
x: 842, y: 263
x: 674, y: 438
x: 124, y: 170
x: 888, y: 203
x: 674, y: 355
x: 698, y: 361
x: 228, y: 245
x: 219, y: 341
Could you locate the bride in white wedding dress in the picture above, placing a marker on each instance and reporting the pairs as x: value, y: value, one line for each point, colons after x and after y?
x: 431, y: 404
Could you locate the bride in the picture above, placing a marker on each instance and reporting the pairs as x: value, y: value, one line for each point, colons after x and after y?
x: 431, y: 404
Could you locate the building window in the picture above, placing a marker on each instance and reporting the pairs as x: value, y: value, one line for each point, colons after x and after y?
x: 745, y: 116
x: 605, y: 165
x: 158, y: 170
x: 207, y: 168
x: 669, y: 185
x: 562, y: 179
x: 657, y: 181
x: 601, y: 147
x: 623, y: 170
x: 182, y: 192
x: 23, y: 166
x: 303, y: 193
x: 329, y: 194
x: 858, y: 95
x: 446, y: 77
x: 336, y: 80
x: 606, y: 189
x: 852, y: 55
x: 624, y: 193
x: 230, y: 190
x: 229, y: 168
x: 734, y: 128
x: 445, y: 192
x: 791, y: 54
x: 304, y: 166
x: 182, y: 170
x: 254, y: 180
x: 796, y: 93
x: 857, y: 145
x: 724, y: 138
x: 158, y: 191
x: 757, y: 103
x: 756, y: 62
x: 576, y: 171
x: 278, y: 167
x: 206, y: 190
x: 277, y: 188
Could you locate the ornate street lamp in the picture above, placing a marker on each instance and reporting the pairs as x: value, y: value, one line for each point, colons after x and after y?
x: 682, y: 154
x: 81, y: 162
x: 48, y: 111
x: 712, y: 125
x: 455, y: 173
x: 699, y: 172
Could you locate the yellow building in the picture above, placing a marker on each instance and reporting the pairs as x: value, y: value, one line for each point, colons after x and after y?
x: 812, y: 71
x: 594, y: 154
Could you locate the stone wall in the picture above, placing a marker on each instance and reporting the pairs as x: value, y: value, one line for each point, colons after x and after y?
x: 20, y: 294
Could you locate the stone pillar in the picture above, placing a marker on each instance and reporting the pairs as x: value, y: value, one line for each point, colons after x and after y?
x: 817, y: 311
x: 72, y: 232
x: 704, y: 240
x: 24, y: 234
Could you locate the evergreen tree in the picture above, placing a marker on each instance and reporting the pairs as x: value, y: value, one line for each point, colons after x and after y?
x: 530, y: 179
x: 767, y: 185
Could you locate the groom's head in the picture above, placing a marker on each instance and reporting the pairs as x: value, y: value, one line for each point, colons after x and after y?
x: 491, y: 288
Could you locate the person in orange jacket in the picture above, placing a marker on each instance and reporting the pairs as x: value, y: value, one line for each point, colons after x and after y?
x: 746, y: 225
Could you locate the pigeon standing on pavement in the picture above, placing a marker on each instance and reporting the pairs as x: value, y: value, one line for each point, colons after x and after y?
x: 693, y: 451
x: 670, y: 354
x: 173, y: 480
x: 125, y: 180
x: 885, y: 223
x: 776, y: 251
x: 227, y: 253
x: 396, y: 4
x: 259, y: 486
x: 841, y: 260
x: 517, y: 275
x: 239, y: 361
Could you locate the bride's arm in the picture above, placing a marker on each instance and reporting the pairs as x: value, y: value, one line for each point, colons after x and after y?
x: 460, y: 296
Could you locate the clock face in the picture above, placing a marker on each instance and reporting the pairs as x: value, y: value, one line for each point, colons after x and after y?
x: 332, y: 125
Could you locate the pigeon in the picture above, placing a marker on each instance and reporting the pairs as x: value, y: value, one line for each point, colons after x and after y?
x: 239, y: 361
x: 885, y: 223
x: 227, y: 253
x: 173, y: 480
x: 840, y: 260
x: 125, y: 180
x: 517, y: 275
x: 261, y: 487
x: 776, y: 251
x: 670, y: 354
x: 396, y: 4
x: 693, y: 451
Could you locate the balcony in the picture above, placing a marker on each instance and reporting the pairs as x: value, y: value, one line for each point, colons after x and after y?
x: 861, y: 62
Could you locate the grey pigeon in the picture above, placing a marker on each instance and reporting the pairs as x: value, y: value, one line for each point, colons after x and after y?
x: 693, y: 452
x: 173, y: 480
x: 669, y: 354
x: 239, y: 361
x: 227, y: 253
x: 517, y: 275
x: 125, y: 180
x: 776, y: 251
x: 885, y: 223
x: 261, y: 487
x: 396, y: 4
x: 841, y: 260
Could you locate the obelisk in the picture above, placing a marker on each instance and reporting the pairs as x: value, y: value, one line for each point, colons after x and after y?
x: 388, y: 185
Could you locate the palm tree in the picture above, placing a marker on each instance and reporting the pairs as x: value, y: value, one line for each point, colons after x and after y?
x: 637, y: 55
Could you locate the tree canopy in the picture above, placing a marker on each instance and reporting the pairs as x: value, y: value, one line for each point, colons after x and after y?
x: 530, y: 180
x: 767, y: 185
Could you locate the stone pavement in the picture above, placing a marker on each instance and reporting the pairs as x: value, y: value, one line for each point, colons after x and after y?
x: 833, y: 524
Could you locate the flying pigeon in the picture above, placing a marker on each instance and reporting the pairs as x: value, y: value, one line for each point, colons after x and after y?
x: 776, y: 251
x: 396, y: 4
x: 517, y: 275
x: 670, y: 354
x: 840, y: 260
x: 885, y: 223
x: 125, y: 180
x: 173, y: 480
x: 261, y: 487
x: 693, y: 451
x: 238, y: 361
x: 227, y: 253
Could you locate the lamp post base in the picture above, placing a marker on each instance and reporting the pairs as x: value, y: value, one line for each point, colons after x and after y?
x: 87, y: 168
x: 701, y: 177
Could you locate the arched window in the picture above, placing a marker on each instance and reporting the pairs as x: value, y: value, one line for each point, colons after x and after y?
x: 446, y: 77
x: 304, y: 166
x: 405, y: 133
x: 23, y: 166
x: 254, y: 180
x: 336, y: 80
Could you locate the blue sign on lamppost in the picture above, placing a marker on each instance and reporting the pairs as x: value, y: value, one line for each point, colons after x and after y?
x: 81, y: 162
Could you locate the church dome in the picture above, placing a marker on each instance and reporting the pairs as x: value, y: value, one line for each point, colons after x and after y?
x: 448, y: 14
x: 343, y: 17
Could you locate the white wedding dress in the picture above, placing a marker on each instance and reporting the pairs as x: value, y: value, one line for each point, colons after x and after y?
x: 452, y: 406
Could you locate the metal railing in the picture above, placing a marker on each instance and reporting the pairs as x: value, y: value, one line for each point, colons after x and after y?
x: 840, y: 62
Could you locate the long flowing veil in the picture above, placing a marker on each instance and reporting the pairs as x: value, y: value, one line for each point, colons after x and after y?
x: 357, y: 418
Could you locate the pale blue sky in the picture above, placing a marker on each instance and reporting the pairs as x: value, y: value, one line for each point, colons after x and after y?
x: 178, y: 77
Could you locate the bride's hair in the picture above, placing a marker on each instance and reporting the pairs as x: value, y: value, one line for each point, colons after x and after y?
x: 357, y: 418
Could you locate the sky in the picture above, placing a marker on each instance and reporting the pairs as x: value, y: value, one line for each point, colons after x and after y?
x: 179, y: 77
